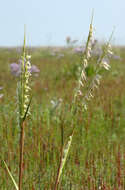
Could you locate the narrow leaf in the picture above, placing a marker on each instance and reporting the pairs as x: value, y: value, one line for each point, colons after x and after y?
x: 27, y: 109
x: 13, y: 180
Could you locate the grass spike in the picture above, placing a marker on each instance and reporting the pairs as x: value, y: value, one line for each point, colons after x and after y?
x: 64, y: 154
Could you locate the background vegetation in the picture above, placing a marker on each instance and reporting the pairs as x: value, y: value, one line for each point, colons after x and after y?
x: 97, y: 155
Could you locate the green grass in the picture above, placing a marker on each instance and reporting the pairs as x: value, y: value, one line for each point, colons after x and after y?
x: 97, y: 155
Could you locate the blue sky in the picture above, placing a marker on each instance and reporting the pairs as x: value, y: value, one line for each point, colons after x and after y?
x: 48, y: 22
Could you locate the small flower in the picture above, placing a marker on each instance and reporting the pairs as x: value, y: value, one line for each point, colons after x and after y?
x: 105, y: 65
x: 88, y: 55
x: 85, y: 62
x: 81, y: 83
x: 109, y: 50
x: 83, y: 76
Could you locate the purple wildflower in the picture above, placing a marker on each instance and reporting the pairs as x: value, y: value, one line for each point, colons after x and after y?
x: 34, y: 69
x: 16, y: 68
x: 116, y: 57
x: 79, y: 50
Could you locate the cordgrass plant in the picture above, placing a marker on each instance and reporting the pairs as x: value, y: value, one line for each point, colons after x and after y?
x: 84, y: 90
x: 23, y: 104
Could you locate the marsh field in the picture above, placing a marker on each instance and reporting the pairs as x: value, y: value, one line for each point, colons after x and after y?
x: 96, y: 159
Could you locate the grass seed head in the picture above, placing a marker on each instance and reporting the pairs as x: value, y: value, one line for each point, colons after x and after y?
x: 23, y: 89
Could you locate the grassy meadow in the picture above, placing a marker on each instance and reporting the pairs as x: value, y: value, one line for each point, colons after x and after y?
x: 96, y: 159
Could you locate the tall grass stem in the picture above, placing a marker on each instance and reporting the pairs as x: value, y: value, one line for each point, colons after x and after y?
x: 21, y: 155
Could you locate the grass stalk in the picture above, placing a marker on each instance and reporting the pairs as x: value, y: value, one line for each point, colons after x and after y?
x: 23, y: 105
x: 80, y: 98
x: 66, y: 147
x: 21, y: 155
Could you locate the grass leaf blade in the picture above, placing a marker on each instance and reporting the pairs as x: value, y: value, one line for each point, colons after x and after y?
x: 27, y: 109
x: 13, y: 180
